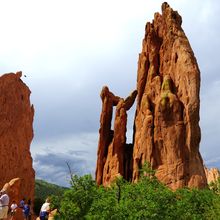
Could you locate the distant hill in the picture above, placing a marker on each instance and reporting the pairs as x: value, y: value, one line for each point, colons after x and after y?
x: 44, y: 189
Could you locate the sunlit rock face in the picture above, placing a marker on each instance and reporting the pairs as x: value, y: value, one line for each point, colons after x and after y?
x: 212, y: 174
x: 167, y: 132
x: 166, y: 126
x: 16, y: 133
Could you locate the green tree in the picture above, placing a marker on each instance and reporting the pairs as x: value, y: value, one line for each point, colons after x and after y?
x: 77, y: 201
x: 215, y: 186
x: 146, y: 199
x: 195, y: 204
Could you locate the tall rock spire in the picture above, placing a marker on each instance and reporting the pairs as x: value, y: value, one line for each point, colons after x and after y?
x: 166, y: 127
x: 16, y: 133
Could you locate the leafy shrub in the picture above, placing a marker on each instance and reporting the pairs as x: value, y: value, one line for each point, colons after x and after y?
x: 147, y: 199
x: 77, y: 201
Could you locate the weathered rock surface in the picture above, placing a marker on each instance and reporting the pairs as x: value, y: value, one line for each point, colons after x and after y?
x: 167, y: 118
x: 166, y: 127
x: 16, y: 133
x: 212, y: 174
x: 113, y: 152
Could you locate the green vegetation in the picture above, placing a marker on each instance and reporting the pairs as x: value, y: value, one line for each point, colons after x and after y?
x: 164, y: 99
x: 44, y: 189
x: 147, y: 199
x: 215, y: 186
x: 166, y: 84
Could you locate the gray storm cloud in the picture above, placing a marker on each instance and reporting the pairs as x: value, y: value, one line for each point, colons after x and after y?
x: 53, y: 166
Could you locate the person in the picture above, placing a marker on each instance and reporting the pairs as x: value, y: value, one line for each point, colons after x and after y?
x: 13, y: 209
x: 26, y: 211
x: 21, y: 204
x: 29, y: 203
x: 45, y: 210
x: 4, y: 201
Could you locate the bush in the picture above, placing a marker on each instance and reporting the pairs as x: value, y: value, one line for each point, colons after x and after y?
x: 77, y: 201
x: 147, y: 199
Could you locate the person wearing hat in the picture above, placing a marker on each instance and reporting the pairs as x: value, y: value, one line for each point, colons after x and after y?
x: 4, y: 202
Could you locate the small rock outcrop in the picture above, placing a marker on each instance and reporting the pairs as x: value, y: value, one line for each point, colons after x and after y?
x: 16, y: 133
x: 212, y: 174
x: 166, y: 127
x: 13, y: 188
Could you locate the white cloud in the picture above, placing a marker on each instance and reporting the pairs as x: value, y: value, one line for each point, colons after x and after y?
x: 77, y: 142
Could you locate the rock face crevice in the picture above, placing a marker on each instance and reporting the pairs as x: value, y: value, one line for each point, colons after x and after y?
x: 16, y: 133
x: 166, y: 126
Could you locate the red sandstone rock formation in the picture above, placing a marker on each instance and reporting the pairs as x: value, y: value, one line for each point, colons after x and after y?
x: 16, y: 133
x: 166, y: 129
x: 13, y: 189
x: 167, y: 118
x: 212, y: 174
x: 112, y: 151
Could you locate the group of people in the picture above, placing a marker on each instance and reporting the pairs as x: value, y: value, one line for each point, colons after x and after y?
x: 24, y: 205
x: 4, y: 207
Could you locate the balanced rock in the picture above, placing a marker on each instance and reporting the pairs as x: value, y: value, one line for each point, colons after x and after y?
x: 166, y: 127
x: 16, y: 133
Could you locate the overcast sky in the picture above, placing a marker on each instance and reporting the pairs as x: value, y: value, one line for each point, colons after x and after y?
x: 70, y: 49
